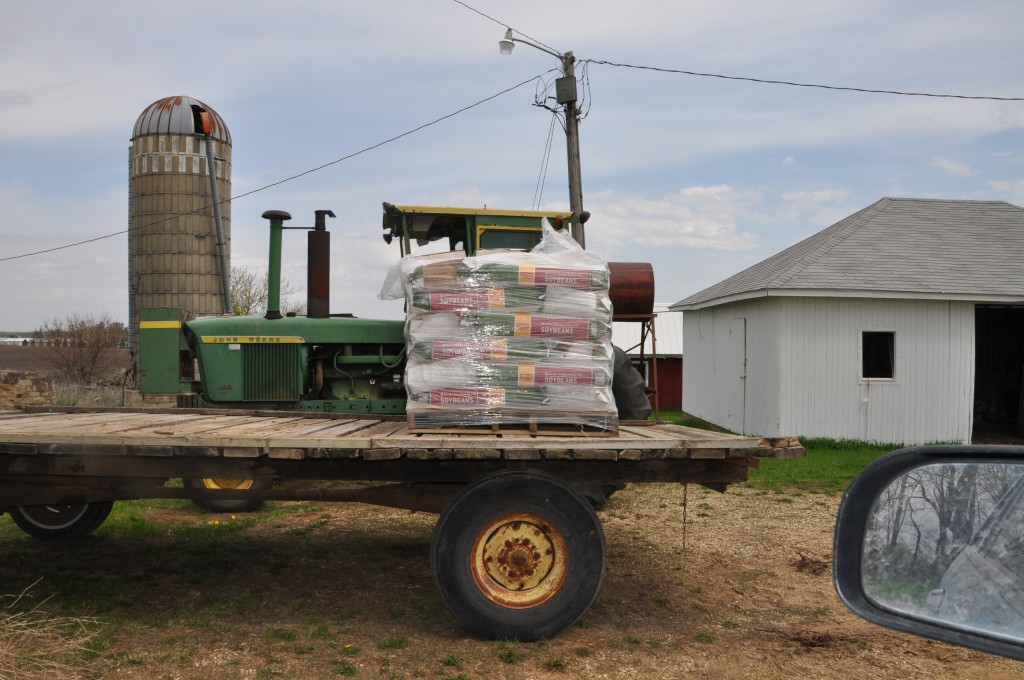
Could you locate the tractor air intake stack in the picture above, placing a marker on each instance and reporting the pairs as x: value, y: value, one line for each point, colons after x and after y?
x: 318, y: 269
x: 277, y: 219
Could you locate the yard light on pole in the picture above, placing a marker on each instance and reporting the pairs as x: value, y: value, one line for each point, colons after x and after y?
x: 565, y: 94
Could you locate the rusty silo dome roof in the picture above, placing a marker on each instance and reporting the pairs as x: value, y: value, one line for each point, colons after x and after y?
x: 177, y: 115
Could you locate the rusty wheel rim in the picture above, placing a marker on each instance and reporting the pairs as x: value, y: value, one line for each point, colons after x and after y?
x: 519, y: 560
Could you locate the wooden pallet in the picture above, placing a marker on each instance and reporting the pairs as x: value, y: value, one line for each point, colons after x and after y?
x: 561, y: 424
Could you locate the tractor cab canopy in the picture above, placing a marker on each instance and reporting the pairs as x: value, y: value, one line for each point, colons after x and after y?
x: 469, y: 229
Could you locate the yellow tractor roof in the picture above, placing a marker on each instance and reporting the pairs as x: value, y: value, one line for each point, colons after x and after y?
x: 487, y: 212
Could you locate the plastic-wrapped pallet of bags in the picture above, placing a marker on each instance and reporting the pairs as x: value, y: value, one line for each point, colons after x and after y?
x: 508, y: 338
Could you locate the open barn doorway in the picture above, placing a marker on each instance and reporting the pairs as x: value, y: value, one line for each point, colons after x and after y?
x: 998, y: 372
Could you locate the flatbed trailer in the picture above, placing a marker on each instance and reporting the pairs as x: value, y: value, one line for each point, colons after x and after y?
x: 518, y: 551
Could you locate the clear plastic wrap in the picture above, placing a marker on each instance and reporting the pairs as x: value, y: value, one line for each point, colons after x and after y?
x: 508, y: 337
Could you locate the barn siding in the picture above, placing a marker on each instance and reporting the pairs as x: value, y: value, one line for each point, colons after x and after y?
x: 712, y: 385
x: 930, y: 398
x: 804, y: 364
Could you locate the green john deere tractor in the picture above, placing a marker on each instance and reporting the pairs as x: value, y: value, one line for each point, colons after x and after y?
x: 336, y: 362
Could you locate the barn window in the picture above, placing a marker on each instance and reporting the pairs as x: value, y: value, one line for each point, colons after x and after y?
x: 879, y: 355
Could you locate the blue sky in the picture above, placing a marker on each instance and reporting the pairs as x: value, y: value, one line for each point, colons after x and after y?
x: 701, y: 177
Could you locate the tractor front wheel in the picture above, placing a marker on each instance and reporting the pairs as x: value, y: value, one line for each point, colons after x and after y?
x: 218, y: 505
x: 518, y: 555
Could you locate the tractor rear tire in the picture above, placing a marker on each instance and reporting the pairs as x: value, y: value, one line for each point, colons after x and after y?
x: 233, y: 505
x: 55, y: 522
x: 518, y: 555
x: 629, y: 388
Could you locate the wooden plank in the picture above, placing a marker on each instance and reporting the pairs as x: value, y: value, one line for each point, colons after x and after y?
x: 477, y: 453
x: 199, y: 434
x: 14, y: 415
x: 18, y: 449
x: 429, y: 447
x: 243, y: 451
x: 258, y: 433
x: 381, y: 454
x: 82, y: 449
x: 343, y: 434
x: 521, y: 454
x: 707, y: 454
x: 469, y: 441
x: 150, y: 450
x: 429, y: 454
x: 708, y: 439
x: 287, y: 453
x: 54, y: 424
x: 306, y: 427
x: 136, y: 422
x: 381, y: 435
x: 106, y: 429
x: 789, y: 452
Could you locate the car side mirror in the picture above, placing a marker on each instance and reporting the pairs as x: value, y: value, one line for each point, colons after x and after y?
x: 930, y: 540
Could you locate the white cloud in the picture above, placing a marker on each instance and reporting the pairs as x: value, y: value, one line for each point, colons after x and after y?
x: 954, y: 168
x: 1013, y: 190
x: 704, y: 218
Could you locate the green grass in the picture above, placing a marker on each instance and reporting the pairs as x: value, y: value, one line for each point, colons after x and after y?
x: 508, y: 652
x: 393, y: 643
x: 682, y: 418
x: 828, y: 467
x: 556, y: 664
x: 344, y: 668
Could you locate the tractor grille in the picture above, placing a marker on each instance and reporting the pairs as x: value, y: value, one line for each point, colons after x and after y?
x: 271, y: 372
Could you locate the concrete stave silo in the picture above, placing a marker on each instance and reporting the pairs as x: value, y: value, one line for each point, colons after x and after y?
x: 173, y: 254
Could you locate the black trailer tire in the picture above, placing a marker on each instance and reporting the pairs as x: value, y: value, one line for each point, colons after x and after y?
x: 217, y: 505
x: 518, y: 555
x: 628, y: 388
x: 54, y: 522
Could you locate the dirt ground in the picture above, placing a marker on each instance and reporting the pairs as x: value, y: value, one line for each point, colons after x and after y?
x: 742, y: 589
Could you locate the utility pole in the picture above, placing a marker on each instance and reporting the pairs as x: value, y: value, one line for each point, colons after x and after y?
x: 565, y: 94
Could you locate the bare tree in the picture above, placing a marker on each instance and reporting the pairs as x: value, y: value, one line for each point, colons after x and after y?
x: 249, y: 293
x: 81, y: 347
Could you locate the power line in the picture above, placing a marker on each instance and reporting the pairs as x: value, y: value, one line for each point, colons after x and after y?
x: 280, y: 182
x: 504, y: 25
x: 792, y: 84
x: 538, y: 191
x: 748, y: 79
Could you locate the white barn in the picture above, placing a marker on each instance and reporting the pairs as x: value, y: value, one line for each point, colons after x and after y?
x: 901, y: 323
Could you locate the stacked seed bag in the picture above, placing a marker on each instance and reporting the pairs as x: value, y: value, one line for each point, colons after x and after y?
x: 508, y: 337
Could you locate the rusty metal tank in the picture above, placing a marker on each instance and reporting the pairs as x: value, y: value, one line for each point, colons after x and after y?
x: 631, y: 289
x: 174, y: 259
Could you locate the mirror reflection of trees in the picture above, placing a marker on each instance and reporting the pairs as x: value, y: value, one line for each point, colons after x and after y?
x: 922, y: 521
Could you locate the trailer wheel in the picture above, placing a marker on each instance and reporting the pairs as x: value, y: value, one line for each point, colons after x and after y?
x: 217, y: 505
x: 629, y: 388
x: 51, y: 522
x: 518, y: 555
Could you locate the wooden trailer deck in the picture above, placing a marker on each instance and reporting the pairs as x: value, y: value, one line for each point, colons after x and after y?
x: 207, y: 433
x: 63, y: 456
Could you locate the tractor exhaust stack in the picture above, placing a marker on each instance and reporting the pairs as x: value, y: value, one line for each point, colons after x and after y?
x: 318, y: 268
